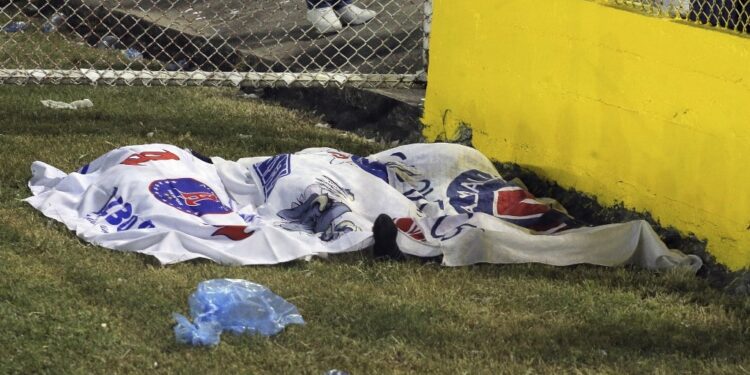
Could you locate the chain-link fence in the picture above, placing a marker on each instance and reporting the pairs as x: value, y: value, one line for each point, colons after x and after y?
x: 250, y: 42
x: 365, y: 43
x: 733, y: 15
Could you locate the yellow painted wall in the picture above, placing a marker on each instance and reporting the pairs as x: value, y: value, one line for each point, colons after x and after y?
x: 632, y: 108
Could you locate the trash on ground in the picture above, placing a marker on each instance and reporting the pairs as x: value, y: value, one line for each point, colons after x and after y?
x: 249, y: 96
x: 182, y: 64
x: 336, y: 372
x: 108, y: 42
x: 78, y: 104
x: 133, y: 54
x: 31, y: 10
x: 54, y: 22
x: 323, y: 125
x: 233, y: 305
x: 16, y: 26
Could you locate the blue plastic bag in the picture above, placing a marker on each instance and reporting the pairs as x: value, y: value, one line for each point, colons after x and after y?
x: 14, y: 27
x: 133, y: 54
x: 238, y: 306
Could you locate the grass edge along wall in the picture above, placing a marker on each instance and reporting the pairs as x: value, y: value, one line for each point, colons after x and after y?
x: 649, y: 111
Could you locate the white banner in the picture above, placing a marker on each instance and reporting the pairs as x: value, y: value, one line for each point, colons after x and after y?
x: 446, y: 200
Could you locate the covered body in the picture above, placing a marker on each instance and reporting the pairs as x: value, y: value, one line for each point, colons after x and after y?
x: 447, y: 200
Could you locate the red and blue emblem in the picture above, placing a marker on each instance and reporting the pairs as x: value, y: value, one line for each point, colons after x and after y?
x: 189, y: 196
x: 474, y: 191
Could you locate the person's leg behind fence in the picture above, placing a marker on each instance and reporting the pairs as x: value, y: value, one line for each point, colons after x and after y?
x: 327, y: 15
x: 321, y: 15
x: 351, y: 14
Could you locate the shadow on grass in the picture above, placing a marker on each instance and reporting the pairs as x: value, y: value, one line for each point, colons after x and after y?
x: 633, y: 335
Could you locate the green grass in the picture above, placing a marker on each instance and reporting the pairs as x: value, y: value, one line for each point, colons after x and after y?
x: 70, y: 307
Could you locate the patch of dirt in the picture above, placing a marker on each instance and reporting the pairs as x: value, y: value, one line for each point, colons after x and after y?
x: 93, y: 23
x: 366, y: 113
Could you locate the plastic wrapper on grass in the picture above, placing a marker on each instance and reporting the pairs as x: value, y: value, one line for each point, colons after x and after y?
x: 237, y: 306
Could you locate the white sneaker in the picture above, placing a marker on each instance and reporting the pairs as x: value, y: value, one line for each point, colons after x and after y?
x: 324, y: 20
x: 354, y: 15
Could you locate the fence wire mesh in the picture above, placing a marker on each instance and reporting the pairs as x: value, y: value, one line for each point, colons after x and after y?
x: 215, y: 42
x: 733, y: 15
x: 258, y: 42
